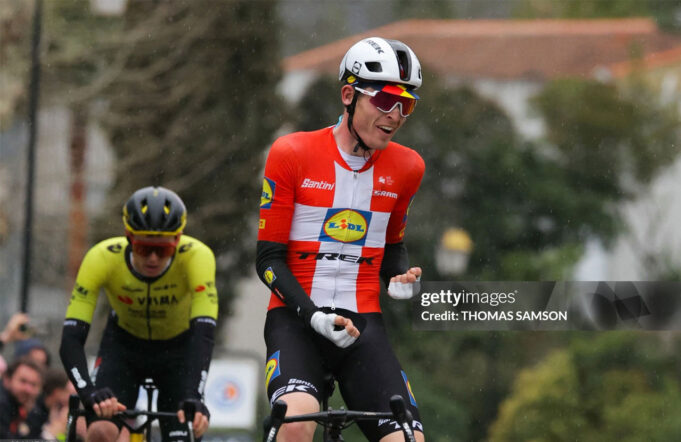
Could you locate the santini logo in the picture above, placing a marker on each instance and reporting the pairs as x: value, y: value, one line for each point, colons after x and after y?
x: 312, y: 184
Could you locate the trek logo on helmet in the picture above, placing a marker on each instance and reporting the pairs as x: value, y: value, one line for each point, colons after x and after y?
x: 376, y: 46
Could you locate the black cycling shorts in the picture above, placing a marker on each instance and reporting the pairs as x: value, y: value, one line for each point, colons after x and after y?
x: 124, y: 362
x: 368, y: 373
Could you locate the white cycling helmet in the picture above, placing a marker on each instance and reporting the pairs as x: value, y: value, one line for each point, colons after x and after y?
x: 379, y: 59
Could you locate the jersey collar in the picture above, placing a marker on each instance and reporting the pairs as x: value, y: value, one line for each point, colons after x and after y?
x: 339, y: 159
x: 138, y: 275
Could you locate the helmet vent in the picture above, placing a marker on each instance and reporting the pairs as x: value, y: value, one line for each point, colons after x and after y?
x: 374, y: 66
x: 403, y: 62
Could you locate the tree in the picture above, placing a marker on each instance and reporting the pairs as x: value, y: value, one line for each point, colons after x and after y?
x: 608, y: 387
x: 610, y: 139
x: 186, y: 92
x: 193, y: 109
x: 319, y: 107
x: 15, y: 30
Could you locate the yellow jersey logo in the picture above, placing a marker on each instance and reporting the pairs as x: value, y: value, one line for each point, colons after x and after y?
x: 267, y: 193
x: 269, y: 276
x: 346, y: 225
x: 272, y: 368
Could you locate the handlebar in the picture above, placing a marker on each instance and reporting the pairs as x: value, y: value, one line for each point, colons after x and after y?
x: 322, y: 417
x: 75, y: 411
x: 131, y: 414
x: 340, y: 419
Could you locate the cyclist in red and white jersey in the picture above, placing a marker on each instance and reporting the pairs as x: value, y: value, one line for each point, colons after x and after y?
x: 333, y: 214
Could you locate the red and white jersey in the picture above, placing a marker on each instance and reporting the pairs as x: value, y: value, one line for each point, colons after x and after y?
x: 336, y: 221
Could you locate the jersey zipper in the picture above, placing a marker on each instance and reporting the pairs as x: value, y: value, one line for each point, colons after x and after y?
x: 355, y: 183
x: 149, y: 309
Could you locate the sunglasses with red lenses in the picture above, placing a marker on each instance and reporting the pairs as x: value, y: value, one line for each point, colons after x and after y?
x: 386, y: 102
x: 146, y: 248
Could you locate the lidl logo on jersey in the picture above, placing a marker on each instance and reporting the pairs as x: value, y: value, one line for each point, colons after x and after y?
x: 272, y: 368
x: 267, y: 193
x: 345, y: 225
x: 269, y: 276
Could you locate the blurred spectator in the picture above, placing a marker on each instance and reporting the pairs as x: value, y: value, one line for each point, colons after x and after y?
x: 14, y: 331
x: 21, y: 385
x: 47, y: 420
x: 33, y: 349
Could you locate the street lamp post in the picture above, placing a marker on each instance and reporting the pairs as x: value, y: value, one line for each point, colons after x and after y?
x: 34, y: 94
x: 453, y: 252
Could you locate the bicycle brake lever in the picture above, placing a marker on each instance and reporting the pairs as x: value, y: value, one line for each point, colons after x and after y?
x: 276, y: 419
x: 189, y: 409
x: 402, y: 416
x: 74, y: 404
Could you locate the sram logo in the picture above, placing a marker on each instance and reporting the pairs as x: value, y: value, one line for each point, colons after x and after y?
x: 385, y: 194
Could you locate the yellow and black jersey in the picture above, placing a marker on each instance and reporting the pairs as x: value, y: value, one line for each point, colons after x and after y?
x: 157, y: 308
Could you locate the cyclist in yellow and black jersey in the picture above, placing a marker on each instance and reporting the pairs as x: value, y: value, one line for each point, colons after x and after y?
x: 161, y: 287
x: 148, y: 308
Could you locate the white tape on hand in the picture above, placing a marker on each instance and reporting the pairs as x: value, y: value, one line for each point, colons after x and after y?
x: 323, y: 323
x: 404, y: 290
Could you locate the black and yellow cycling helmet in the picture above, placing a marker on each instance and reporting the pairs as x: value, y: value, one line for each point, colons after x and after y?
x: 154, y: 211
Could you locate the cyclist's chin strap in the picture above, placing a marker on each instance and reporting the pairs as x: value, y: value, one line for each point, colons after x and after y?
x: 351, y: 112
